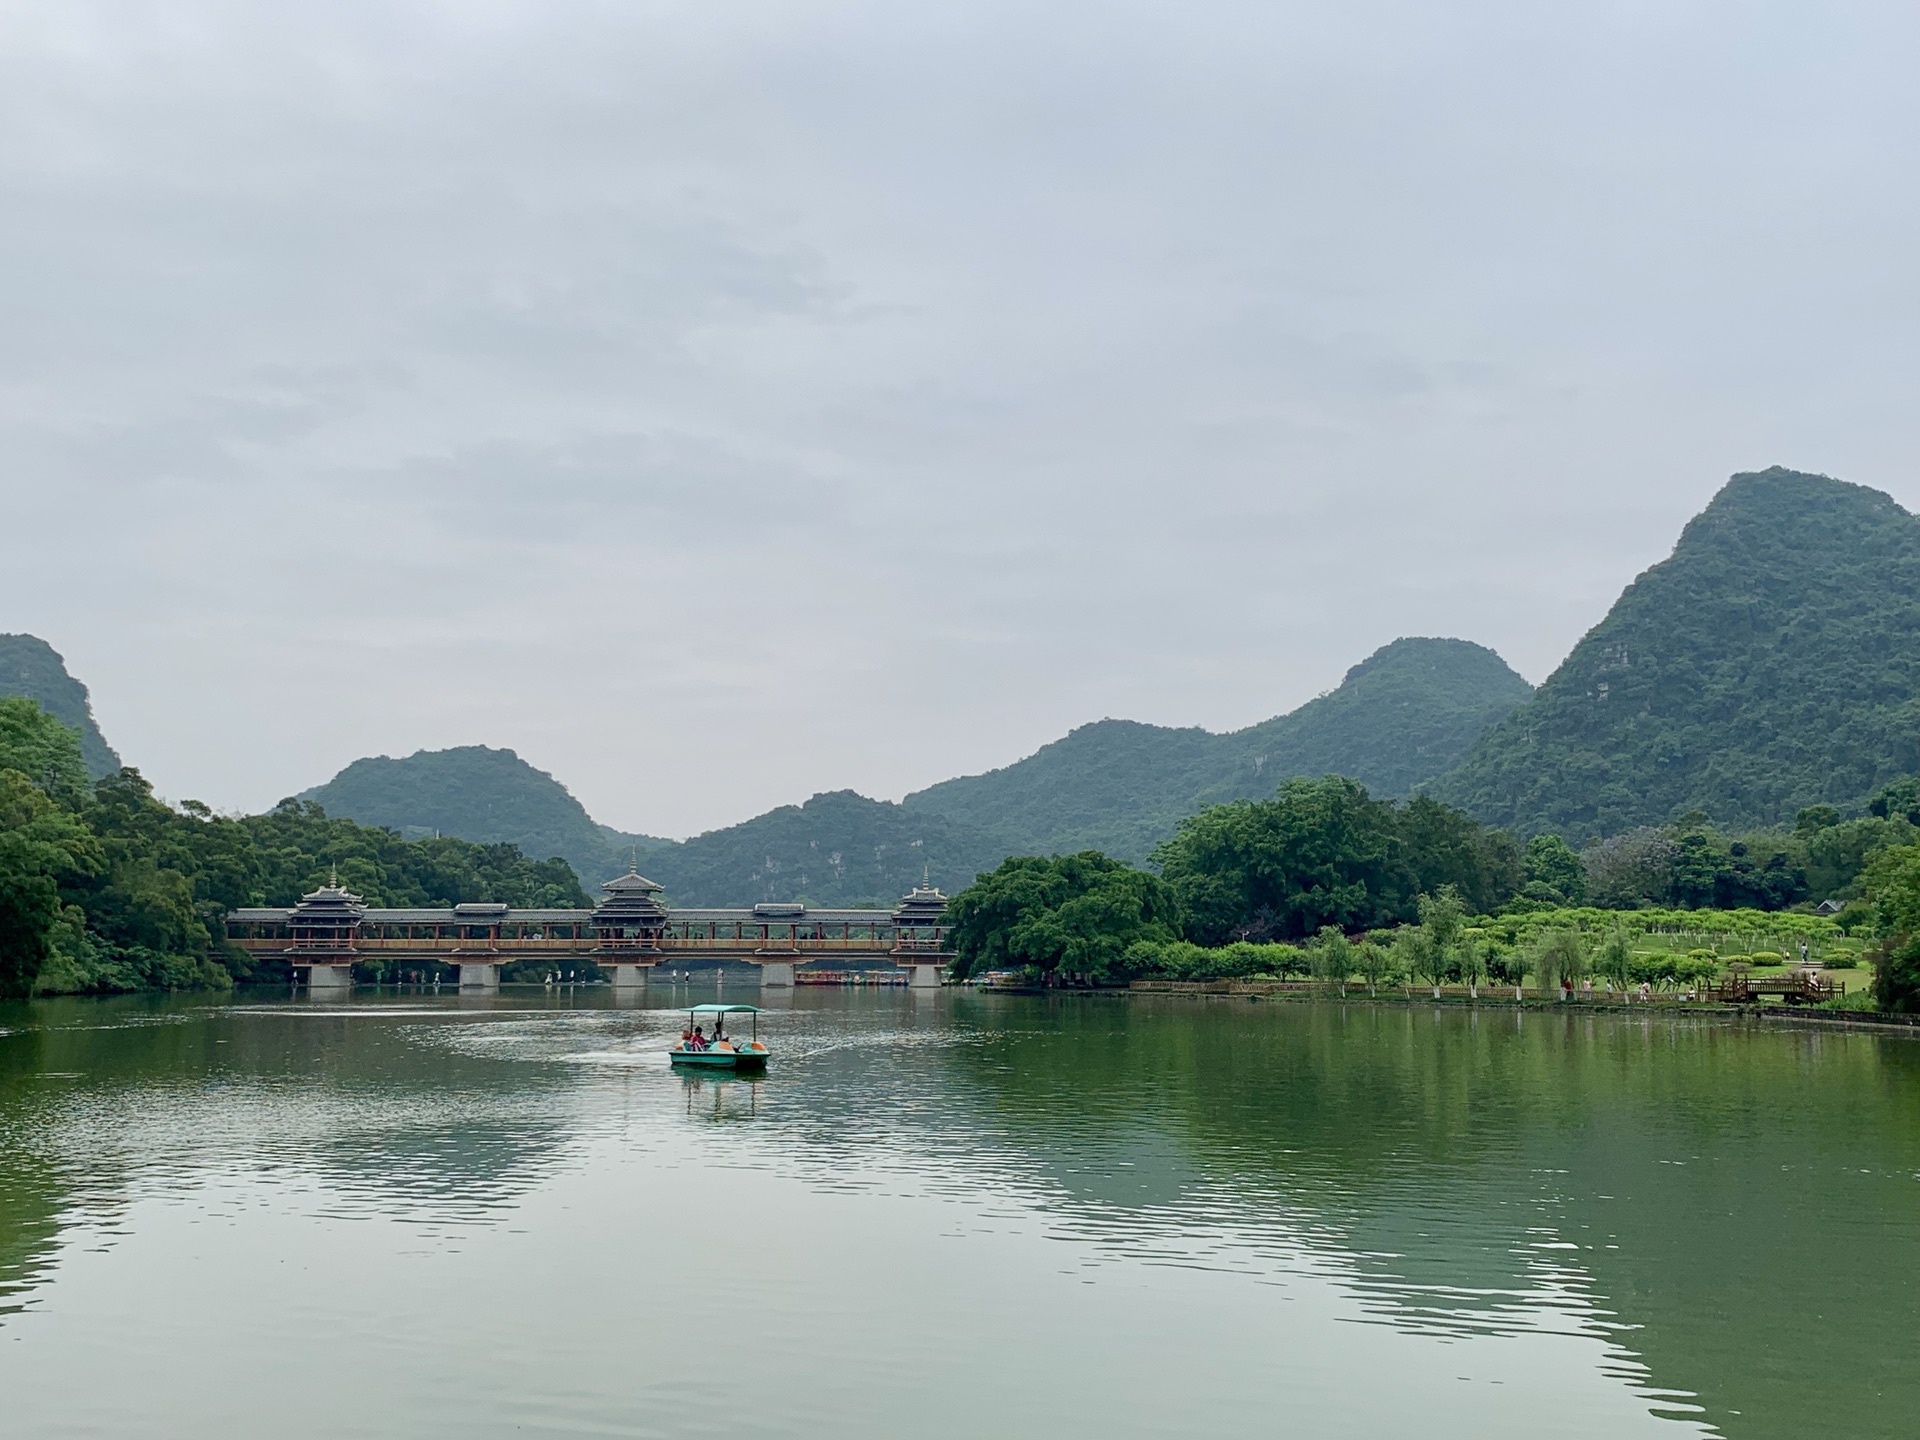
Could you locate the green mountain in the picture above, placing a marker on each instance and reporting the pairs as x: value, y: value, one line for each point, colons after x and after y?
x: 1408, y: 712
x: 1400, y: 716
x: 837, y: 849
x: 30, y: 666
x: 485, y: 795
x: 1772, y: 662
x: 834, y: 850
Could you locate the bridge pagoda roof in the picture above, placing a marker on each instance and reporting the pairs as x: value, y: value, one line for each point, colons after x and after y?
x: 330, y: 903
x: 631, y: 898
x: 632, y: 883
x: 923, y: 905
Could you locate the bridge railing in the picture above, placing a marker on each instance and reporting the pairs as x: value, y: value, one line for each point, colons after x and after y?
x: 666, y: 945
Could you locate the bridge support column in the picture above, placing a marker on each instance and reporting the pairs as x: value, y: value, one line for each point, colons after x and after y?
x: 628, y: 977
x: 479, y: 977
x: 925, y: 977
x: 776, y: 974
x: 329, y: 979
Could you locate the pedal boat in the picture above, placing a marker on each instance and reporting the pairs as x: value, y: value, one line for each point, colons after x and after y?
x: 726, y: 1054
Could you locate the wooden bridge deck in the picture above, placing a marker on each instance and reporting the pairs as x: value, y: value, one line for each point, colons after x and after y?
x: 1796, y: 987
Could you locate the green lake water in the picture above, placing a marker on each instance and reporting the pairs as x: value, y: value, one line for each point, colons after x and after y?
x: 951, y: 1215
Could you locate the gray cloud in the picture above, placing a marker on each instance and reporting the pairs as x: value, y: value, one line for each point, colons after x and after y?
x: 656, y: 389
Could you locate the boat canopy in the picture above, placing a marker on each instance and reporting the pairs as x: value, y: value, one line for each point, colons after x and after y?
x: 723, y: 1009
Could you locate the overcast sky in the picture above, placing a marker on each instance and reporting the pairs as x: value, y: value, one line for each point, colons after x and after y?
x: 718, y: 403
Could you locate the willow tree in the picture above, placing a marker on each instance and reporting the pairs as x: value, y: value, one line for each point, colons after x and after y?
x: 1557, y: 955
x: 1331, y: 958
x: 1615, y: 957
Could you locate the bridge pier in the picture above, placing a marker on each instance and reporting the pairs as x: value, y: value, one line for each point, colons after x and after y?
x: 627, y: 977
x: 480, y: 976
x: 330, y: 979
x: 925, y: 976
x: 776, y: 974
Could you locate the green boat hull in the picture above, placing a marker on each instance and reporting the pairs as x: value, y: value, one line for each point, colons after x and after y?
x: 718, y: 1060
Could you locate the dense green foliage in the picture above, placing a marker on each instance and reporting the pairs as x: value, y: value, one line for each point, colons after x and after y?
x: 489, y: 796
x: 104, y: 888
x: 1771, y: 664
x: 41, y: 845
x: 38, y: 747
x: 1325, y: 852
x: 1695, y: 865
x: 32, y: 668
x: 1321, y: 856
x: 1402, y: 716
x: 1553, y: 873
x: 1184, y: 960
x: 1066, y: 914
x: 1894, y: 876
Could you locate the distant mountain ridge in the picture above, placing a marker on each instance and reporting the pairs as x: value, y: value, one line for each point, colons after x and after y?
x: 1115, y: 785
x: 1401, y: 717
x: 31, y: 667
x: 474, y: 792
x: 1771, y: 662
x: 836, y: 849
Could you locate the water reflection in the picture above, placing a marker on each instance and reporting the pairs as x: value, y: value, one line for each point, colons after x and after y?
x: 1696, y: 1191
x: 33, y: 1192
x: 718, y: 1100
x: 1725, y: 1218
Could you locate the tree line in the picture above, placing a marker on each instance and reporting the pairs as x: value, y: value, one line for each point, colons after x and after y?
x: 1323, y: 876
x: 104, y: 888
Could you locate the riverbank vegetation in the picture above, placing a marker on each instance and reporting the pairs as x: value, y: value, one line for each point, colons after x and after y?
x: 1324, y: 881
x: 104, y: 888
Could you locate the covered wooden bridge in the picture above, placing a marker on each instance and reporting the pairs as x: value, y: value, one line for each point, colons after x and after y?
x: 626, y: 935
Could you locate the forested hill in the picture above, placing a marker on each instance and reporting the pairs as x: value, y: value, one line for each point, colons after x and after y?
x: 1772, y: 662
x: 31, y: 667
x: 484, y: 795
x: 837, y: 849
x: 1405, y: 714
x: 1408, y: 712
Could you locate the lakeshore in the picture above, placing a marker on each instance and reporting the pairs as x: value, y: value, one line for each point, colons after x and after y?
x: 1491, y: 999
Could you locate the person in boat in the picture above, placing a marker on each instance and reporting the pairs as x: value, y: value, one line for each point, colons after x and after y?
x: 699, y: 1041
